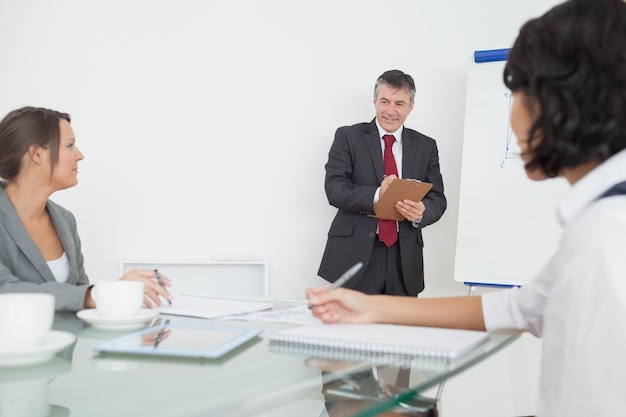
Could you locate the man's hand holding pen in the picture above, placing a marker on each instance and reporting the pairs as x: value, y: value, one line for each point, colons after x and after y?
x: 385, y: 183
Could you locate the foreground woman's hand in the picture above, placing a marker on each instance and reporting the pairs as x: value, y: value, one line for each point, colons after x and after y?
x: 340, y: 305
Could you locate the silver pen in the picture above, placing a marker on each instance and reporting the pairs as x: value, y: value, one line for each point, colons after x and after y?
x: 161, y: 282
x: 344, y: 278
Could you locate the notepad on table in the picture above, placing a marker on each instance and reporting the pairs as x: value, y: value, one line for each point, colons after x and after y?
x: 384, y: 339
x: 210, y: 308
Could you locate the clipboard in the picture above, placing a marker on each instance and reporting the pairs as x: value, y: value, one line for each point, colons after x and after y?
x: 399, y: 189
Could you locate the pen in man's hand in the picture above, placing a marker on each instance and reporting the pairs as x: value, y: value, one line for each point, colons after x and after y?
x: 160, y: 281
x: 344, y: 278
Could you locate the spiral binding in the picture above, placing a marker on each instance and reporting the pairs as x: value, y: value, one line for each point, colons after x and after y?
x: 423, y: 363
x: 357, y: 347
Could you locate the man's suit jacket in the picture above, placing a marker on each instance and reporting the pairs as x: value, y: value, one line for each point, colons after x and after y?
x: 23, y: 268
x: 354, y: 171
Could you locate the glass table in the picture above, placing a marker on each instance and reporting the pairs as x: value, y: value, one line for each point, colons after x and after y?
x: 254, y: 380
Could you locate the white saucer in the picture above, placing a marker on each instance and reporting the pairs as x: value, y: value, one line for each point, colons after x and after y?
x: 137, y: 321
x: 35, y: 372
x: 53, y: 342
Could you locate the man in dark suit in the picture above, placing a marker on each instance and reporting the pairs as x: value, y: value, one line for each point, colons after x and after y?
x: 355, y: 179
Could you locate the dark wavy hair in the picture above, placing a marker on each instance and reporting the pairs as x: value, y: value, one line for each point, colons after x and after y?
x: 24, y: 127
x: 572, y: 60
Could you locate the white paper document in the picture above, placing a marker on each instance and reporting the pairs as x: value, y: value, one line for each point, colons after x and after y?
x: 211, y: 308
x: 294, y: 315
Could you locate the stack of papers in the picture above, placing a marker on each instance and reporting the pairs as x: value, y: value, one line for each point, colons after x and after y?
x: 211, y: 308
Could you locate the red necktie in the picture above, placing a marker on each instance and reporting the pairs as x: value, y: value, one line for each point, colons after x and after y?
x: 387, y: 229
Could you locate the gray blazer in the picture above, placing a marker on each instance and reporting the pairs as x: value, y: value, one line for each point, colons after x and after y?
x: 354, y: 171
x: 23, y: 268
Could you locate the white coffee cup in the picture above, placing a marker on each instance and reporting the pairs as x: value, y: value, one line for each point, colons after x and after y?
x: 118, y: 298
x: 25, y: 318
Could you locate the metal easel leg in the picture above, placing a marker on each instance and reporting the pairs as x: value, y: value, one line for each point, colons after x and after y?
x: 472, y: 290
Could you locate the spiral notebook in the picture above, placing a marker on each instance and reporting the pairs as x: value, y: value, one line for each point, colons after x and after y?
x: 313, y: 352
x: 384, y: 339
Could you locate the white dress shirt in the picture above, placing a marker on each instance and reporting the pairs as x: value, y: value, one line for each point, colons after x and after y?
x: 577, y: 302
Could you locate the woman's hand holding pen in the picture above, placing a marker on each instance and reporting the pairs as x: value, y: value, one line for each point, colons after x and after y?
x: 340, y: 305
x: 155, y: 285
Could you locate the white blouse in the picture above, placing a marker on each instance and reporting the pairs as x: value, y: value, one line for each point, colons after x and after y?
x: 577, y: 302
x: 60, y: 268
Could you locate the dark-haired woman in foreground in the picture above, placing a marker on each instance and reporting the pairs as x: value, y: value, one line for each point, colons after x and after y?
x: 567, y: 72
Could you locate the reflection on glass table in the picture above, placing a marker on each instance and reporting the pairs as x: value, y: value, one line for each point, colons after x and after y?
x: 251, y: 381
x: 390, y: 386
x: 361, y: 391
x: 24, y: 389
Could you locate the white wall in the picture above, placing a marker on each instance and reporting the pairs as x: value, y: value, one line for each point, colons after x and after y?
x: 206, y: 124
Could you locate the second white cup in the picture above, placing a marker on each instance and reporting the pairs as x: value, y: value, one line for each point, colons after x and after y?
x: 118, y: 298
x: 25, y: 319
